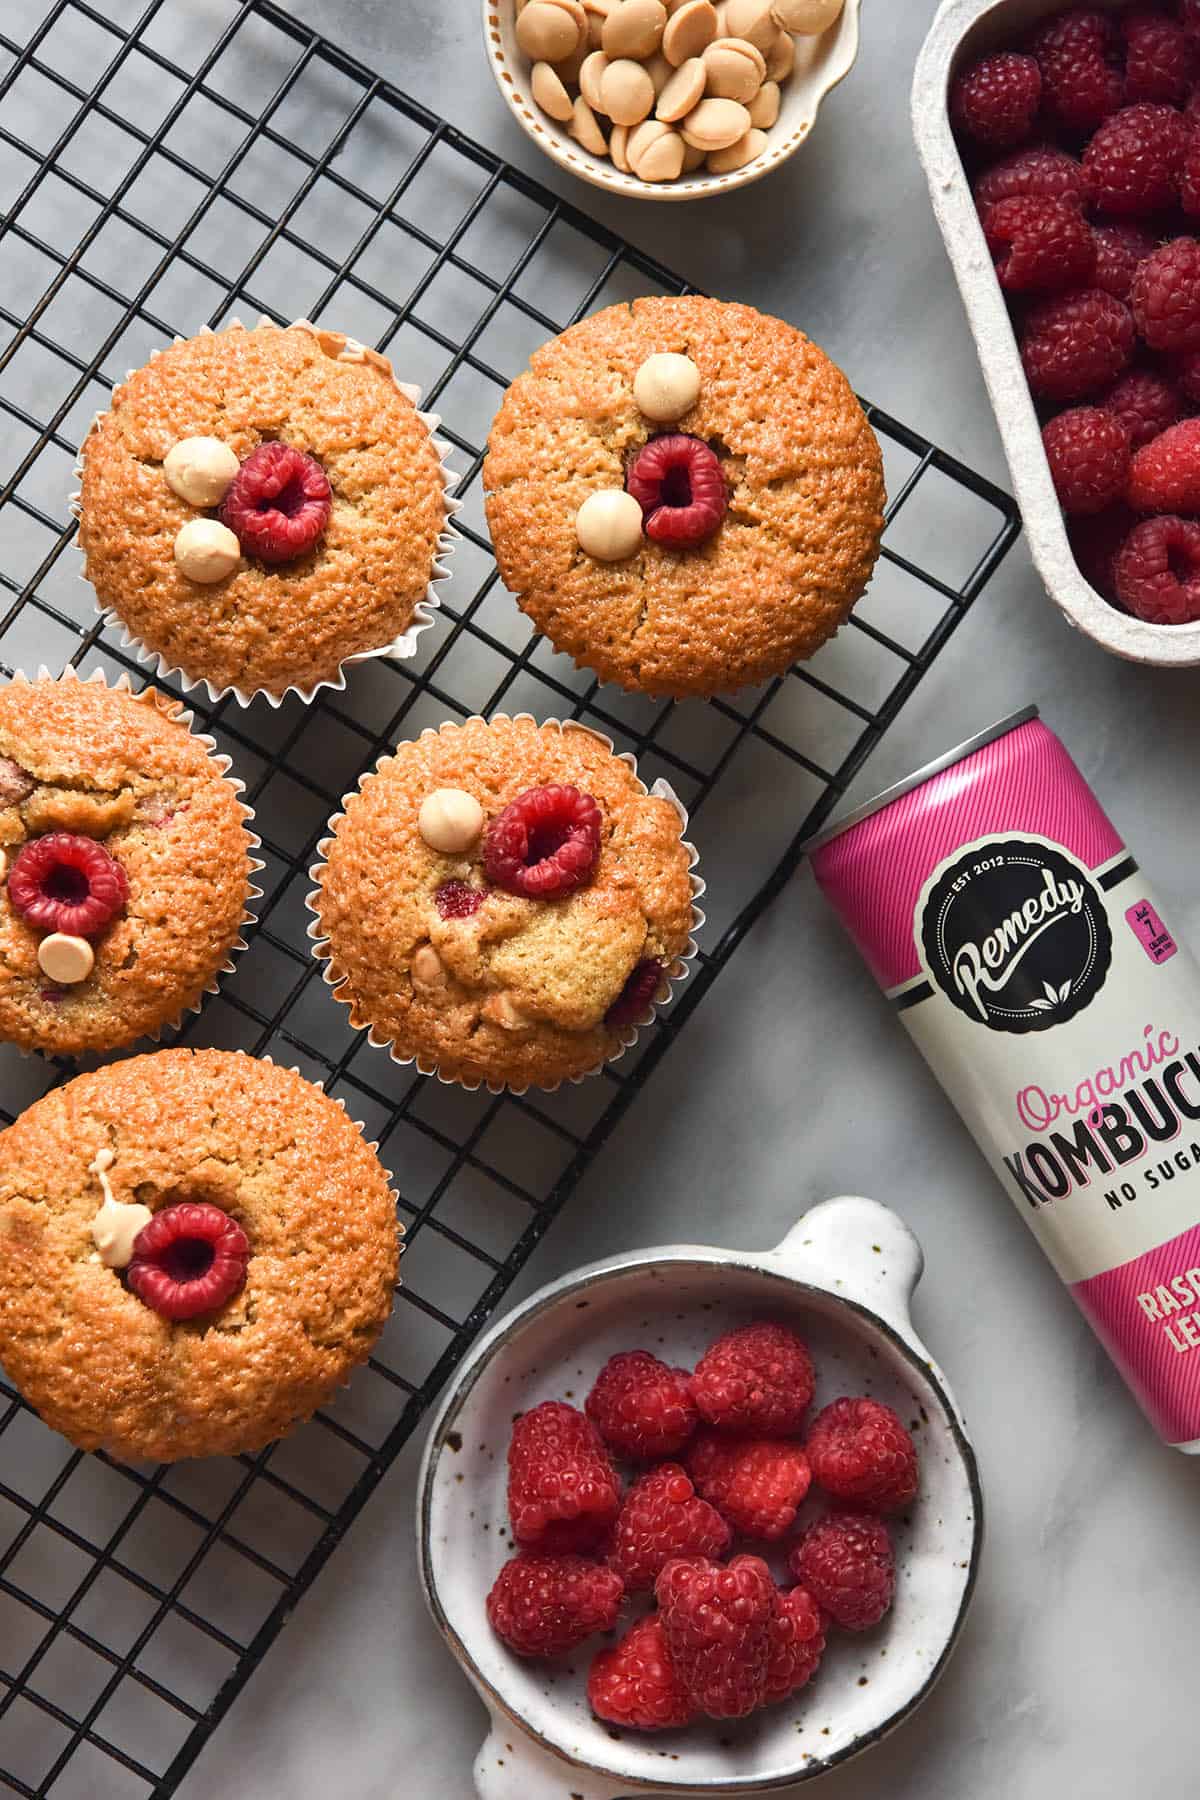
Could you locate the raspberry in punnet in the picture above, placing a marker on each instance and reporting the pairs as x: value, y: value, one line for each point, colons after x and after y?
x: 545, y: 844
x: 1134, y: 164
x: 859, y: 1451
x: 1088, y: 451
x: 662, y: 1517
x: 641, y: 1408
x: 1119, y: 250
x: 1146, y: 403
x: 636, y: 1684
x: 1157, y: 571
x: 66, y: 882
x: 1039, y: 245
x: 1079, y: 57
x: 1166, y: 296
x: 847, y: 1563
x: 544, y: 1605
x: 1074, y: 344
x: 1159, y: 60
x: 189, y: 1260
x: 1189, y: 174
x: 1040, y: 169
x: 278, y: 503
x: 755, y: 1483
x: 717, y: 1622
x: 756, y: 1381
x: 1164, y: 476
x: 1095, y: 542
x: 1185, y: 369
x: 563, y: 1492
x: 995, y: 101
x: 630, y: 1005
x: 797, y: 1644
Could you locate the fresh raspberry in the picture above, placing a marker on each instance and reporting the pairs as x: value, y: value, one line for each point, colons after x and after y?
x: 545, y: 844
x: 1146, y: 403
x: 1166, y: 296
x: 631, y: 1003
x: 1088, y: 452
x: 757, y: 1380
x: 1134, y: 164
x: 1095, y: 542
x: 641, y: 1408
x: 858, y: 1450
x: 543, y: 1605
x: 717, y: 1622
x: 1119, y: 250
x: 1040, y: 169
x: 62, y: 882
x: 1038, y: 244
x: 278, y: 503
x: 1157, y: 571
x: 1165, y: 474
x: 1189, y: 171
x: 664, y: 1517
x: 458, y: 899
x: 797, y: 1644
x: 755, y: 1483
x: 563, y: 1492
x: 846, y: 1562
x: 16, y: 783
x: 677, y: 482
x: 190, y: 1259
x: 1159, y: 61
x: 635, y: 1684
x: 995, y: 101
x: 1075, y: 343
x: 1079, y: 58
x: 1185, y: 370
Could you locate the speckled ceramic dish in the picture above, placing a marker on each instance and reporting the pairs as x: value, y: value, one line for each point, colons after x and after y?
x: 844, y: 1277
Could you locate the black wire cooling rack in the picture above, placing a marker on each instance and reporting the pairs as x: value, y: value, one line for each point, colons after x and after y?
x: 185, y: 162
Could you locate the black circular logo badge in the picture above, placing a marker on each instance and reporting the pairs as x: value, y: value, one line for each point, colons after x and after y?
x: 1015, y: 935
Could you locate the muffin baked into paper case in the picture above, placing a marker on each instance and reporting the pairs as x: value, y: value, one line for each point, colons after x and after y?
x: 367, y: 589
x: 374, y: 909
x: 190, y: 872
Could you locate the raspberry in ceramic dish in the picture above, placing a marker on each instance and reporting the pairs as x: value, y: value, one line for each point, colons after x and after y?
x: 663, y: 1516
x: 563, y: 1492
x: 126, y: 864
x: 758, y: 1484
x: 259, y: 506
x: 712, y: 589
x: 491, y: 895
x: 544, y: 1605
x: 859, y: 1451
x: 203, y: 1169
x: 846, y: 1562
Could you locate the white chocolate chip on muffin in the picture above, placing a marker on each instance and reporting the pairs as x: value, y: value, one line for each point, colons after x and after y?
x: 450, y: 821
x: 609, y: 525
x: 64, y: 959
x: 200, y: 469
x: 666, y: 386
x: 206, y: 551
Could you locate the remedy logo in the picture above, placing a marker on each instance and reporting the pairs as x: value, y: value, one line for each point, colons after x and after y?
x: 1015, y: 934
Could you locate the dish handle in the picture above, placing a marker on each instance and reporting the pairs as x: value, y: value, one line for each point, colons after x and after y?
x: 510, y: 1767
x: 860, y: 1250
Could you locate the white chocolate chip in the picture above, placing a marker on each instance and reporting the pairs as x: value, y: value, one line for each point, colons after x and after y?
x: 660, y: 72
x: 689, y: 30
x: 616, y: 148
x: 546, y: 86
x: 546, y: 32
x: 200, y: 469
x: 764, y: 108
x: 626, y: 92
x: 590, y: 70
x: 715, y: 124
x: 662, y: 160
x: 781, y: 57
x: 684, y: 91
x: 666, y: 385
x: 428, y: 971
x: 65, y: 960
x: 597, y: 11
x: 806, y: 17
x: 206, y: 550
x: 736, y: 156
x: 499, y: 1009
x: 751, y: 19
x: 641, y: 138
x: 634, y: 28
x: 118, y: 1222
x: 609, y: 525
x: 450, y: 820
x: 693, y: 158
x: 734, y: 69
x: 585, y: 129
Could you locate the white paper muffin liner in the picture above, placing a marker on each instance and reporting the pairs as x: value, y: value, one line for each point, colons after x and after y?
x: 401, y: 648
x: 629, y: 1034
x: 180, y: 715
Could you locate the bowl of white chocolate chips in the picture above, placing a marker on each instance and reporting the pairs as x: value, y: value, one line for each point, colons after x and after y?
x: 669, y: 99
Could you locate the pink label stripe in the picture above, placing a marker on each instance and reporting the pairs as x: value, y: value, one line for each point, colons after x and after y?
x: 1147, y: 1314
x: 874, y: 873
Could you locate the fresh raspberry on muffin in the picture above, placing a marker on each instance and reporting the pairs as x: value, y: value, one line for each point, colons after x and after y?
x: 66, y: 883
x: 544, y: 844
x: 278, y: 503
x: 677, y: 481
x: 642, y: 986
x: 188, y: 1261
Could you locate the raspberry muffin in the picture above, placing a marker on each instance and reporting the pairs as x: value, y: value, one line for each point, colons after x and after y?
x: 259, y: 507
x: 195, y: 1250
x: 125, y: 862
x: 502, y: 902
x: 684, y: 495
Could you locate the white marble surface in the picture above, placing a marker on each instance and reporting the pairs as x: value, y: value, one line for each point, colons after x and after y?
x: 793, y: 1082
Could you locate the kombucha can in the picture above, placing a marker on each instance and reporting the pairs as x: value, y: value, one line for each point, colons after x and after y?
x: 1030, y: 961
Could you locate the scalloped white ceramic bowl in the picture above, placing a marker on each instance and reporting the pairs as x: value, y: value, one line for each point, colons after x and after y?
x: 962, y: 29
x: 821, y: 62
x: 844, y: 1276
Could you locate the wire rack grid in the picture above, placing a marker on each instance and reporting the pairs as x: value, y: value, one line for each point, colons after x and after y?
x: 187, y: 161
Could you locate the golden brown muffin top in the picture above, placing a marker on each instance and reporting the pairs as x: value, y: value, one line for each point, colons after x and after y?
x: 272, y: 1151
x: 527, y: 982
x: 124, y: 769
x: 802, y: 468
x: 291, y: 624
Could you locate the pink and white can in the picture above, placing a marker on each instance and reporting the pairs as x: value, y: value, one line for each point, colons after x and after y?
x: 1004, y: 918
